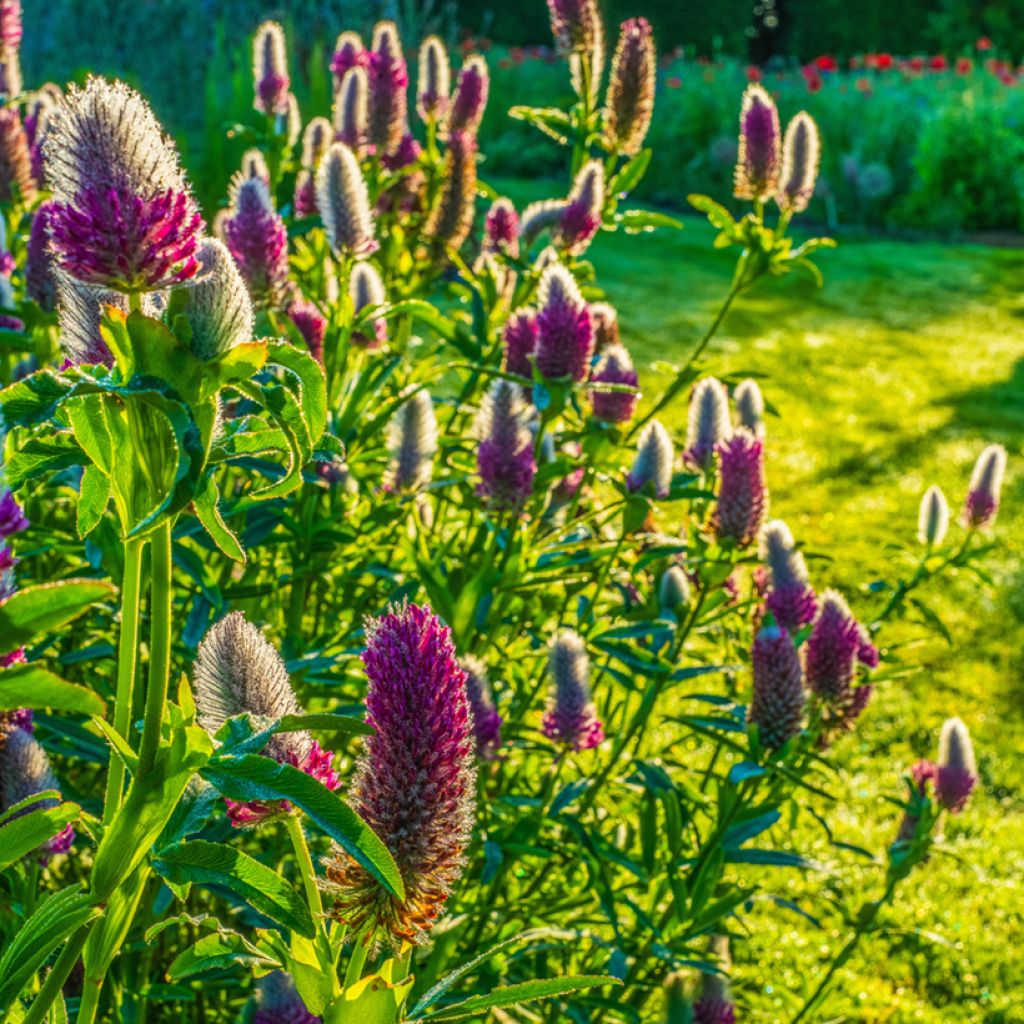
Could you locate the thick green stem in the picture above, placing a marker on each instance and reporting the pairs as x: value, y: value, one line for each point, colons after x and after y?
x: 159, y: 645
x: 127, y: 658
x: 90, y: 1001
x: 58, y: 976
x: 316, y: 907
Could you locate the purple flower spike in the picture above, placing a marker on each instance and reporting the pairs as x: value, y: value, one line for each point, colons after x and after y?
x: 412, y: 445
x: 580, y: 217
x: 743, y: 493
x: 435, y: 75
x: 270, y: 69
x: 575, y: 24
x: 956, y: 773
x: 258, y: 240
x: 349, y: 52
x: 40, y: 284
x: 777, y: 706
x: 565, y: 333
x: 801, y: 154
x: 629, y: 105
x: 344, y: 204
x: 708, y: 423
x: 759, y: 162
x: 470, y: 99
x: 505, y: 460
x: 653, y: 462
x: 238, y: 672
x: 714, y: 1010
x: 416, y: 782
x: 12, y: 518
x: 791, y: 599
x: 311, y: 325
x: 277, y: 1002
x: 501, y: 229
x: 352, y: 110
x: 16, y: 179
x: 571, y: 718
x: 452, y: 218
x: 10, y: 25
x: 389, y: 80
x: 520, y: 337
x: 986, y: 482
x: 615, y: 367
x: 486, y: 719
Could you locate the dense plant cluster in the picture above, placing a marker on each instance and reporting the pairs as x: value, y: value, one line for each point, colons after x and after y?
x: 355, y: 601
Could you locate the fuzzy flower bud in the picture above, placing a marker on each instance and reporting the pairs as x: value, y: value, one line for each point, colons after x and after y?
x: 352, y: 109
x: 520, y: 337
x: 38, y: 113
x: 452, y: 218
x: 316, y: 139
x: 389, y: 80
x: 238, y: 672
x: 367, y: 292
x: 653, y: 461
x: 412, y: 443
x: 40, y: 285
x: 629, y: 103
x: 708, y: 423
x: 758, y: 163
x: 505, y: 459
x: 123, y: 216
x: 311, y: 325
x: 750, y: 407
x: 344, y: 205
x: 615, y: 367
x: 270, y: 69
x: 435, y: 76
x: 501, y: 228
x: 791, y: 599
x: 16, y: 180
x: 673, y: 589
x: 470, y: 99
x: 777, y: 705
x: 486, y: 719
x: 539, y: 217
x: 986, y: 482
x: 565, y: 333
x: 349, y: 52
x: 415, y: 784
x: 580, y: 217
x: 606, y: 326
x: 258, y: 240
x: 79, y: 309
x: 801, y: 154
x: 254, y: 165
x: 575, y: 25
x: 571, y: 717
x: 277, y: 1002
x: 216, y: 303
x: 743, y: 493
x: 933, y: 517
x: 956, y: 773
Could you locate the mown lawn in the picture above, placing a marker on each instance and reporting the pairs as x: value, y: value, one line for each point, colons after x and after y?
x: 891, y: 377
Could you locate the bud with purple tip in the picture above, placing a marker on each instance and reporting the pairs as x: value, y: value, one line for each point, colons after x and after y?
x: 412, y: 444
x: 349, y: 52
x: 708, y: 423
x: 505, y: 459
x: 258, y: 241
x: 486, y: 718
x: 653, y: 462
x: 777, y: 706
x: 571, y: 717
x: 801, y: 154
x: 366, y: 290
x: 388, y: 80
x: 575, y: 25
x: 791, y: 599
x: 277, y: 1002
x: 759, y: 160
x: 956, y: 773
x: 435, y: 75
x: 565, y: 333
x: 743, y: 494
x: 629, y: 103
x: 316, y: 139
x: 580, y: 216
x: 415, y: 784
x: 344, y: 204
x: 501, y: 229
x: 311, y: 324
x: 79, y: 309
x: 982, y: 502
x: 470, y: 98
x: 933, y: 517
x: 270, y: 69
x: 520, y: 338
x: 614, y: 367
x: 352, y: 110
x: 452, y: 218
x: 606, y: 326
x: 750, y: 407
x: 238, y: 672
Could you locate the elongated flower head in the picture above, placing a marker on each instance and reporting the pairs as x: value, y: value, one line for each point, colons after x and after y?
x: 743, y: 494
x: 12, y: 518
x: 452, y: 218
x: 580, y: 217
x: 316, y: 140
x: 629, y: 102
x: 520, y: 337
x: 258, y: 241
x: 435, y: 77
x: 711, y: 1009
x: 986, y: 483
x: 415, y: 785
x: 615, y: 367
x: 933, y: 517
x: 349, y: 52
x: 254, y: 165
x: 270, y: 69
x: 216, y: 303
x: 38, y: 113
x: 367, y: 290
x: 571, y: 717
x: 801, y: 154
x: 575, y: 25
x: 486, y: 718
x: 352, y: 109
x: 277, y: 1002
x: 539, y: 217
x: 777, y: 705
x: 791, y: 599
x: 501, y: 228
x: 16, y: 179
x: 673, y: 589
x: 79, y: 308
x: 40, y: 284
x: 10, y: 25
x: 238, y: 672
x: 25, y: 771
x: 759, y: 161
x: 956, y: 772
x: 10, y: 74
x: 124, y: 217
x: 469, y: 102
x: 389, y: 80
x: 708, y: 423
x: 412, y: 443
x: 750, y: 406
x: 505, y: 459
x: 344, y: 204
x: 565, y: 332
x: 653, y: 462
x: 311, y: 325
x: 606, y: 326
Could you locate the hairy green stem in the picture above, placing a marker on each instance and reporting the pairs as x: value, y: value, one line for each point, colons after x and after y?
x: 316, y: 907
x: 161, y: 603
x: 59, y: 974
x: 90, y: 1001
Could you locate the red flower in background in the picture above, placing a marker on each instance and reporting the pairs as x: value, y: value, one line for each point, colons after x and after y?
x: 826, y: 62
x: 674, y: 82
x: 964, y: 65
x: 753, y: 73
x: 938, y: 63
x: 863, y: 85
x: 884, y: 61
x: 916, y: 64
x: 812, y: 78
x: 984, y: 43
x: 856, y: 63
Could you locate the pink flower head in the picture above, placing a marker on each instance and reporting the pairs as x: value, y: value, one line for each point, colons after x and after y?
x: 258, y: 241
x: 956, y: 773
x: 501, y: 228
x: 614, y: 367
x: 565, y: 332
x: 520, y: 337
x: 270, y: 69
x: 743, y: 493
x: 777, y: 705
x: 349, y: 52
x: 791, y: 599
x: 760, y: 154
x: 404, y: 155
x: 12, y: 518
x: 470, y: 99
x: 571, y: 718
x: 982, y: 502
x: 415, y: 784
x: 311, y: 325
x: 486, y: 718
x: 389, y: 80
x: 580, y: 216
x: 505, y: 459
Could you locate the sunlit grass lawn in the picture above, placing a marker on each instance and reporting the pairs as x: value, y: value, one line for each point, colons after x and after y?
x: 890, y: 378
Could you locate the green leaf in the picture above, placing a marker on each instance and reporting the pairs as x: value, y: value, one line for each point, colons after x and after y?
x: 217, y: 951
x: 525, y: 992
x: 717, y: 214
x: 252, y: 777
x: 29, y: 686
x: 631, y: 174
x: 312, y: 384
x: 551, y: 121
x: 27, y: 833
x: 39, y: 456
x: 206, y: 502
x: 635, y: 221
x: 325, y: 722
x: 252, y: 882
x: 94, y: 495
x: 37, y: 610
x: 34, y: 399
